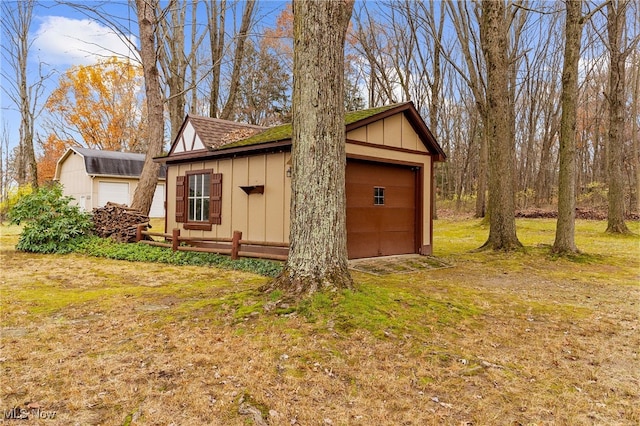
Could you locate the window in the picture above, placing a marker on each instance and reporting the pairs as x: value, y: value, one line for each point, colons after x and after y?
x: 378, y: 196
x: 199, y: 199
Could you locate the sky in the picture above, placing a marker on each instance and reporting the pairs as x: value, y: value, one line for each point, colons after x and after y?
x: 62, y: 37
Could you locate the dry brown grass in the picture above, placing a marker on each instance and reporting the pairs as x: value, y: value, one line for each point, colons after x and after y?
x: 497, y: 339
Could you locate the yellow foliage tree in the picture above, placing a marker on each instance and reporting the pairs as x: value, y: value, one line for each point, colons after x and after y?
x: 51, y: 150
x: 99, y: 106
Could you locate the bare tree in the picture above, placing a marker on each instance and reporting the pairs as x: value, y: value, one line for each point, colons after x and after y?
x: 318, y: 237
x: 494, y: 37
x: 146, y: 12
x: 16, y: 23
x: 565, y: 228
x: 262, y: 97
x: 618, y: 53
x: 635, y: 126
x: 464, y: 22
x: 216, y: 13
x: 241, y: 37
x: 175, y: 60
x: 373, y: 45
x: 5, y: 174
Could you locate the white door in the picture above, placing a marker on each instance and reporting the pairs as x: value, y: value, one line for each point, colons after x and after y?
x: 157, y: 206
x: 116, y: 192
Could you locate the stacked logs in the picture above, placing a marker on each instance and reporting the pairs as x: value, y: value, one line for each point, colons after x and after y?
x: 118, y: 221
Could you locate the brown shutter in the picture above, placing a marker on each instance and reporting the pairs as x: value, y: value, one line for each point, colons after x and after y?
x: 181, y: 182
x: 216, y: 198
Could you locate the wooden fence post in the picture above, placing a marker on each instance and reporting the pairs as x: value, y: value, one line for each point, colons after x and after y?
x: 139, y: 229
x: 235, y: 244
x: 175, y: 237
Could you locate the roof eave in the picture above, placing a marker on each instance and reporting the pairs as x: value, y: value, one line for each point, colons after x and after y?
x: 281, y: 145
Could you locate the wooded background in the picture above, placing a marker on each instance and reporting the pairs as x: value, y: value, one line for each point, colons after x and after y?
x: 233, y: 60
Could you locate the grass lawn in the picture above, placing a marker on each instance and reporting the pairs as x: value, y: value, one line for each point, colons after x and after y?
x: 497, y: 339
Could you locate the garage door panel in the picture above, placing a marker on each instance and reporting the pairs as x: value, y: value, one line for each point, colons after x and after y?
x: 361, y: 172
x: 360, y: 195
x: 362, y: 220
x: 363, y: 244
x: 397, y: 243
x: 398, y: 197
x: 397, y: 219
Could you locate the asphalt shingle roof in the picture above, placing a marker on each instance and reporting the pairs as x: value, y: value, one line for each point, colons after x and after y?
x: 215, y: 132
x: 114, y: 163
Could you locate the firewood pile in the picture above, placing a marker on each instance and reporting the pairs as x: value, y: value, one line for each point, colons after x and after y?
x: 118, y: 221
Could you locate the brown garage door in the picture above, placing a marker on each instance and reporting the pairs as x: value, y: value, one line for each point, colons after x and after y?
x: 381, y: 209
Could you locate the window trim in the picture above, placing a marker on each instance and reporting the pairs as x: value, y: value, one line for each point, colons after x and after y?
x: 378, y: 196
x: 198, y: 196
x: 215, y: 201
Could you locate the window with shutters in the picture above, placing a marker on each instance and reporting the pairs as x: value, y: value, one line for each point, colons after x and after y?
x: 199, y: 199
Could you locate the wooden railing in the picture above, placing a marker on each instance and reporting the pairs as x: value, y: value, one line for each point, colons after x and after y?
x: 235, y: 247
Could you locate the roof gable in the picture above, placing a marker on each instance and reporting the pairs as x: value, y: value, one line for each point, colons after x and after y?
x: 205, y: 133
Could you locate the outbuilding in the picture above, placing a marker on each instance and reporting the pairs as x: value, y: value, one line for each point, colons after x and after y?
x: 93, y: 177
x: 224, y: 176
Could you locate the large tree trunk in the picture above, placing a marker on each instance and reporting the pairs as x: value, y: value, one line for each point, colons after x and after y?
x: 616, y: 13
x: 565, y: 228
x: 143, y: 197
x: 635, y: 129
x: 318, y: 237
x: 502, y: 224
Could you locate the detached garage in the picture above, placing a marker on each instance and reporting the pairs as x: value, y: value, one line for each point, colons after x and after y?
x: 224, y: 176
x: 94, y: 177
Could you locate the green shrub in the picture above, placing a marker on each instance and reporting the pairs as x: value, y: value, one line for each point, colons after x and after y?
x: 51, y: 222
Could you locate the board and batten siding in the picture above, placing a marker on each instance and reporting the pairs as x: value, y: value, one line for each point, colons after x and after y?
x: 395, y: 132
x: 260, y: 217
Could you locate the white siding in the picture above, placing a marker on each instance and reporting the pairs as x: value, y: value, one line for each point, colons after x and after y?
x: 157, y: 207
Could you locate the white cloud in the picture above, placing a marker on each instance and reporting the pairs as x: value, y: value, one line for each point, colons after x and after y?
x: 65, y: 41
